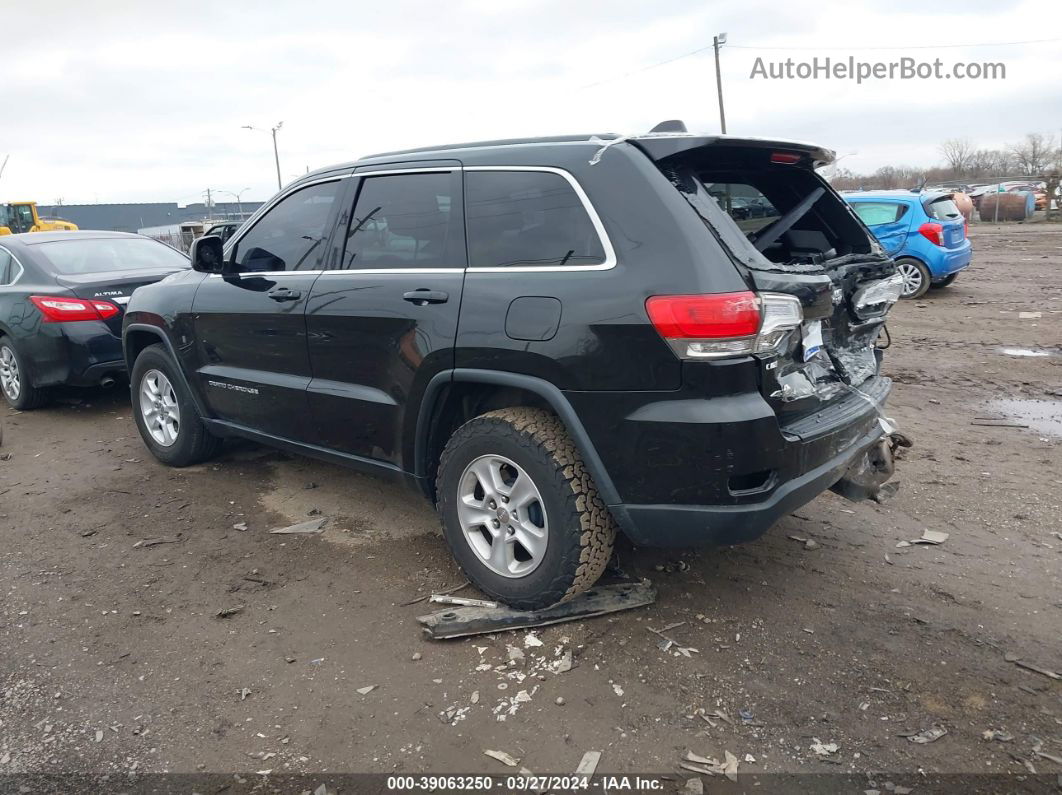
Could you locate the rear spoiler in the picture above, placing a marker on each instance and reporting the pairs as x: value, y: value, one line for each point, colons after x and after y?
x: 664, y: 145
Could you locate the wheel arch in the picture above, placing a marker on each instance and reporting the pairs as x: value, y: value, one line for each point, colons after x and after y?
x: 439, y: 414
x: 138, y: 336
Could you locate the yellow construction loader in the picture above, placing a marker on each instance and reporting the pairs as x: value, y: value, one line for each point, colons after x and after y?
x: 18, y: 217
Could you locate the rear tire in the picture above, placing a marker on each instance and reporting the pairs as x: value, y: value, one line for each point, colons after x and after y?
x: 158, y: 390
x: 15, y: 385
x: 945, y: 281
x: 916, y: 277
x: 538, y: 475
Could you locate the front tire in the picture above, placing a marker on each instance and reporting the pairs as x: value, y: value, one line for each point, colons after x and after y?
x: 166, y: 416
x: 520, y: 512
x: 915, y: 275
x: 15, y: 385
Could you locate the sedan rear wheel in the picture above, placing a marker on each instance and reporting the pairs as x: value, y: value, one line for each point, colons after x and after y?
x: 14, y: 380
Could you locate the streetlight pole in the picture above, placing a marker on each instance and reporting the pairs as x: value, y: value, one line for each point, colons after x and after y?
x: 276, y: 154
x: 236, y: 195
x: 717, y: 42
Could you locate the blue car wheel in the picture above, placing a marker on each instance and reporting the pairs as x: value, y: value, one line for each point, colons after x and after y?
x: 915, y: 275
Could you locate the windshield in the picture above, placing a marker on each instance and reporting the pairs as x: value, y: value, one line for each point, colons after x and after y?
x: 100, y: 255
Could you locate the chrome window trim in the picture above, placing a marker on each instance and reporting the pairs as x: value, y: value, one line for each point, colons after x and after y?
x: 418, y: 170
x: 391, y: 271
x: 14, y: 259
x: 595, y: 220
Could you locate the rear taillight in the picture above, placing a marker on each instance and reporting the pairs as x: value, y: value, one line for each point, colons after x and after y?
x: 724, y: 324
x: 57, y: 309
x: 933, y: 232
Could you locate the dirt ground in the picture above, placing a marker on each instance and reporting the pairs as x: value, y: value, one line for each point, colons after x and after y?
x: 810, y: 657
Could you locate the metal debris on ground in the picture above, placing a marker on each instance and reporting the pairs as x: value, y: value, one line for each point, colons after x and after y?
x: 243, y: 692
x: 443, y: 599
x: 710, y: 766
x: 588, y: 764
x: 460, y: 622
x: 503, y: 757
x: 241, y: 526
x: 364, y: 691
x: 1018, y: 661
x: 153, y: 542
x: 809, y: 543
x: 312, y: 527
x: 225, y: 612
x: 930, y: 735
x: 823, y: 749
x: 694, y: 786
x: 931, y: 537
x: 445, y: 592
x: 997, y: 734
x: 666, y: 643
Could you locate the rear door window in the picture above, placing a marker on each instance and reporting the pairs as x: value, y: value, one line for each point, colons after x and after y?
x: 877, y: 213
x: 5, y: 268
x: 406, y: 221
x: 528, y: 219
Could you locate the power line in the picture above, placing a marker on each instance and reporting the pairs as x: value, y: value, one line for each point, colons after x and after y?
x: 898, y: 47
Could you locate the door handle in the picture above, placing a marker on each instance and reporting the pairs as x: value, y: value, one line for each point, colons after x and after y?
x: 423, y: 297
x: 284, y: 294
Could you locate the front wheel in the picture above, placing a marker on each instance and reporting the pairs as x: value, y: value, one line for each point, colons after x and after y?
x: 915, y: 275
x: 520, y: 512
x: 165, y: 413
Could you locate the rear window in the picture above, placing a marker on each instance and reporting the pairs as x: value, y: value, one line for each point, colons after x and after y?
x: 875, y: 213
x: 942, y: 210
x: 527, y: 218
x: 106, y: 254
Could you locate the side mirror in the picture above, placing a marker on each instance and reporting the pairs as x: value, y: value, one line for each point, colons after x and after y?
x: 207, y: 254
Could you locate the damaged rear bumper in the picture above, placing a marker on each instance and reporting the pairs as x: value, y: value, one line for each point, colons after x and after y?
x: 698, y: 525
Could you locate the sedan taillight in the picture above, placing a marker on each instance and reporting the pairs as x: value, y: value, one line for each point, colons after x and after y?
x: 59, y: 309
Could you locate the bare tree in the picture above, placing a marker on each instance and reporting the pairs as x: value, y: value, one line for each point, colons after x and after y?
x: 1033, y: 155
x: 957, y: 153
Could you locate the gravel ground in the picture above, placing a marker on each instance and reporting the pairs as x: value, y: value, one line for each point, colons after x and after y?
x: 811, y: 657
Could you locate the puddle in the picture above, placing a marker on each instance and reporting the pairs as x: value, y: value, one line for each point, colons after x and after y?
x: 1042, y: 416
x: 1023, y: 352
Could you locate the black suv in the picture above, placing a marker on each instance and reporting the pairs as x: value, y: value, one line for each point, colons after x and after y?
x: 552, y: 339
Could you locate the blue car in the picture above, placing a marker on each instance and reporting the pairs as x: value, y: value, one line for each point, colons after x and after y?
x: 923, y: 231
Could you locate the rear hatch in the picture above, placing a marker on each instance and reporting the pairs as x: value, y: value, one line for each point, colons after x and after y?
x: 944, y: 211
x: 808, y: 244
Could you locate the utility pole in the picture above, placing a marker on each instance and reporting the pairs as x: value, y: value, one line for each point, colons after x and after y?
x: 276, y: 154
x: 717, y: 42
x: 4, y: 165
x: 209, y: 205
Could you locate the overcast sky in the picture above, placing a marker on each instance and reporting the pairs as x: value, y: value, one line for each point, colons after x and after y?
x: 113, y: 102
